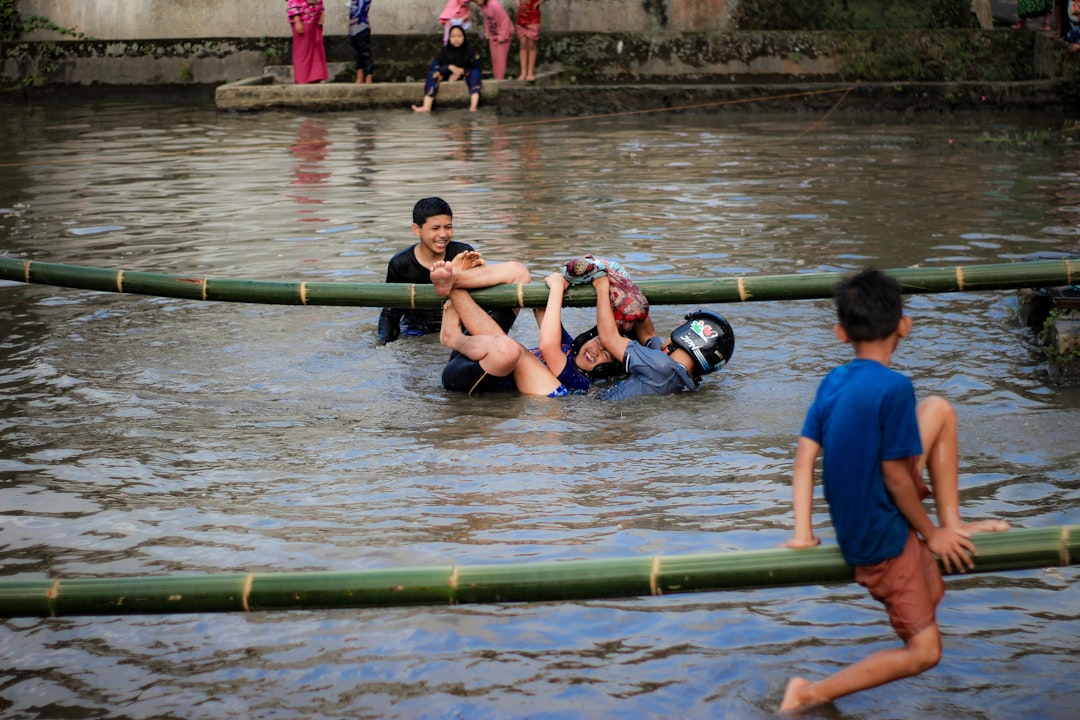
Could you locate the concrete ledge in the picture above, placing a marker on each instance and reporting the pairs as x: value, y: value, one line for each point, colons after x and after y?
x: 267, y: 92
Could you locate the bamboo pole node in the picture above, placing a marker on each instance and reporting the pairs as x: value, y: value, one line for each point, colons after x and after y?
x: 119, y: 281
x: 412, y: 296
x: 303, y: 293
x: 1064, y: 547
x: 743, y: 294
x: 521, y: 295
x: 246, y: 595
x: 202, y: 287
x: 26, y: 270
x: 654, y: 572
x: 452, y: 583
x: 959, y: 278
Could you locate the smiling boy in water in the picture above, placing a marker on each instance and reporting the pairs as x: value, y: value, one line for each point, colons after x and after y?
x: 876, y: 443
x: 433, y: 225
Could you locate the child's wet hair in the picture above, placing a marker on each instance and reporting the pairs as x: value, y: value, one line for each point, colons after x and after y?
x: 430, y: 207
x: 869, y: 304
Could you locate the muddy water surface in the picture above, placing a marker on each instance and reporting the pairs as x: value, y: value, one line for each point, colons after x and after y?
x: 145, y: 435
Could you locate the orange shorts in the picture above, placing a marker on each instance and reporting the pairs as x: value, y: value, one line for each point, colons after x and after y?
x: 909, y: 585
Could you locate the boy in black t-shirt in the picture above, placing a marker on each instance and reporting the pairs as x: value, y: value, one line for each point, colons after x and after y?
x: 433, y: 224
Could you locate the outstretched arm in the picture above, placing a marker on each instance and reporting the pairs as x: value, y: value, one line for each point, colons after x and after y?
x: 551, y: 324
x: 606, y: 326
x: 802, y: 492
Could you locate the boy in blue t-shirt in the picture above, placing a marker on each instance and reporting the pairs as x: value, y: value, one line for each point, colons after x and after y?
x: 876, y: 442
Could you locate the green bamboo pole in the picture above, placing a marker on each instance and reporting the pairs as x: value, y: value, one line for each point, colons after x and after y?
x: 525, y: 582
x: 1000, y: 276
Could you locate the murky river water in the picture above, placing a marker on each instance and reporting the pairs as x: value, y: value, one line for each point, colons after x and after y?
x: 159, y: 436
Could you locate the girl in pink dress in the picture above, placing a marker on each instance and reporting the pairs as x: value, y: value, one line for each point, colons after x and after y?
x: 528, y: 31
x: 308, y: 53
x: 500, y: 31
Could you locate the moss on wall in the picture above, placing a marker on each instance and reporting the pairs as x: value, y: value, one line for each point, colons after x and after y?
x: 854, y: 15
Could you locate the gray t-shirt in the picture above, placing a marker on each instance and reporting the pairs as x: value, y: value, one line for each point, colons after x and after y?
x: 652, y: 372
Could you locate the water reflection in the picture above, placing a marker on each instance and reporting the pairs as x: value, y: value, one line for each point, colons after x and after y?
x: 148, y: 435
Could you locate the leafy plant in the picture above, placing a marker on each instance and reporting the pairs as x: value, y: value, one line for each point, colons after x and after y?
x: 1045, y: 335
x: 44, y: 58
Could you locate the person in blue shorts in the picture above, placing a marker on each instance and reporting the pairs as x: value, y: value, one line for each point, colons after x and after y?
x: 433, y: 225
x: 700, y: 346
x: 876, y: 443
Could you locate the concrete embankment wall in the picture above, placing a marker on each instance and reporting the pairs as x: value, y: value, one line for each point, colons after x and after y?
x: 183, y: 19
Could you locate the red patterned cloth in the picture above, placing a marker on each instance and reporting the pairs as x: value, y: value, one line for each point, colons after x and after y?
x: 628, y: 303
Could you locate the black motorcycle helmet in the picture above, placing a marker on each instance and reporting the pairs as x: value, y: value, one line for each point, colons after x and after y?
x: 707, y: 337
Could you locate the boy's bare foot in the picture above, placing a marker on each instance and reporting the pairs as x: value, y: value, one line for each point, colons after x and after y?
x: 798, y: 696
x: 442, y: 277
x: 982, y: 526
x: 530, y: 78
x: 467, y: 260
x: 419, y: 108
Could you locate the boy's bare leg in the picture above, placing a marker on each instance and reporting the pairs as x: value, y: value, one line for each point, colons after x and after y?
x: 941, y: 457
x: 469, y: 314
x: 466, y: 261
x: 489, y: 275
x: 920, y: 652
x: 497, y: 354
x: 442, y: 277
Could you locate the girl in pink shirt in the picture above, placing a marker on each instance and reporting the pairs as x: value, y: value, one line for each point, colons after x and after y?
x: 500, y: 31
x: 456, y: 12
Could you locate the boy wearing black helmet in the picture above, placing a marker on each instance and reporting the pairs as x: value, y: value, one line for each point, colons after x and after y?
x: 701, y: 345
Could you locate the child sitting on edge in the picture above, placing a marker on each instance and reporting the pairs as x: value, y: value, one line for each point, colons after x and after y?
x: 876, y: 442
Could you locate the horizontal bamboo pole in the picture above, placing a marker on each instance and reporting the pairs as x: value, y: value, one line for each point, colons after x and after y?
x: 525, y: 582
x: 1001, y: 276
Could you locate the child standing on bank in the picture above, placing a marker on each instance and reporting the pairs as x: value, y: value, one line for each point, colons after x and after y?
x: 500, y: 31
x: 360, y: 39
x: 876, y: 443
x: 528, y: 31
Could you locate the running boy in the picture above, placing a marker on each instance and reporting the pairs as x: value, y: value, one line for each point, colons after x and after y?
x: 876, y: 443
x: 433, y: 224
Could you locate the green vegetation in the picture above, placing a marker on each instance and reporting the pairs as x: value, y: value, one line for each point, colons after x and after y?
x: 36, y: 61
x: 1045, y: 337
x: 1026, y: 139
